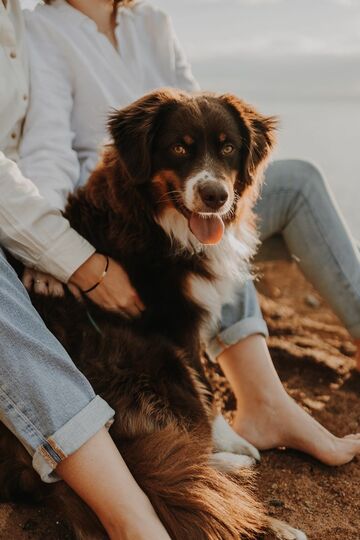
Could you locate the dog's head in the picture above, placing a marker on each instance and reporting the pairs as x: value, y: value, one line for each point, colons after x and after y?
x: 197, y: 153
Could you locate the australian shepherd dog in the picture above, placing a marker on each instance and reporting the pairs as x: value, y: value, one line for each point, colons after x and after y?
x: 171, y: 200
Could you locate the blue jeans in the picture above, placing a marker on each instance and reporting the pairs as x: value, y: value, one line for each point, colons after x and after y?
x: 44, y: 400
x: 298, y: 220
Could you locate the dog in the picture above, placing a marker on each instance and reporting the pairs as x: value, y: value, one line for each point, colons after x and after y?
x: 171, y: 200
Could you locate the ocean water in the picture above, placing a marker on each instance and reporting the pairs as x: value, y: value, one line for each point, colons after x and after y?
x: 297, y: 59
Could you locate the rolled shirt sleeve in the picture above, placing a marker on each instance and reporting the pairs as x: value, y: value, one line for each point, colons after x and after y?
x: 33, y: 230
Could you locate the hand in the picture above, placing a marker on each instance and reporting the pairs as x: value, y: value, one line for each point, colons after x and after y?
x: 115, y: 291
x: 42, y: 283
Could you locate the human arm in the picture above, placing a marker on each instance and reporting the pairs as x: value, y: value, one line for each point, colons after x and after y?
x: 47, y: 153
x: 39, y: 235
x: 34, y: 231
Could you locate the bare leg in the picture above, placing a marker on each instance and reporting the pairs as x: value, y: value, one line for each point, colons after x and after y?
x: 266, y: 415
x: 99, y: 475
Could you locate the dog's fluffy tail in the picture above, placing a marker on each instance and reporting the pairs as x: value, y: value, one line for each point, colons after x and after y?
x: 193, y: 501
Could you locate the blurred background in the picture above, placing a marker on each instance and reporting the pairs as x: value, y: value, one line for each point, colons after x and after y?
x: 298, y: 59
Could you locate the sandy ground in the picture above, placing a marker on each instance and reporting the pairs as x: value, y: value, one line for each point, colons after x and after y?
x: 313, y: 355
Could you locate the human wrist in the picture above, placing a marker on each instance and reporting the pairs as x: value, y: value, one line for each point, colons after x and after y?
x: 90, y: 272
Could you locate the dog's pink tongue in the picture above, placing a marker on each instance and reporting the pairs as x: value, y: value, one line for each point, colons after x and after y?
x: 207, y: 230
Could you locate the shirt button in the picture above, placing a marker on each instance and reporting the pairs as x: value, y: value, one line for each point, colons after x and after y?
x: 13, y: 135
x: 25, y: 97
x: 13, y: 54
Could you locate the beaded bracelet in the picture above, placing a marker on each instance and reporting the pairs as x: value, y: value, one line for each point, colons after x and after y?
x: 100, y: 278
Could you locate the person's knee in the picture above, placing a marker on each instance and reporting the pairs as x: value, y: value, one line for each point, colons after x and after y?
x: 305, y: 177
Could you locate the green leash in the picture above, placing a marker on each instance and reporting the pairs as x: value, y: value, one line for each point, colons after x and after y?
x: 94, y: 323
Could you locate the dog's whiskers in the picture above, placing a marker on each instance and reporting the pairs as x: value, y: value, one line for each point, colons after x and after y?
x: 166, y: 195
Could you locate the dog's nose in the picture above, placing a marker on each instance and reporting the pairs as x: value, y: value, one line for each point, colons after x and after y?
x: 214, y: 195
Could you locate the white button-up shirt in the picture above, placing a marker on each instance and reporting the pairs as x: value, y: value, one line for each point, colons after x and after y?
x: 78, y: 76
x: 31, y: 228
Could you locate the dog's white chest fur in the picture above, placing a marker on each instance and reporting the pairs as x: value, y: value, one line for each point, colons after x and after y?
x: 228, y: 263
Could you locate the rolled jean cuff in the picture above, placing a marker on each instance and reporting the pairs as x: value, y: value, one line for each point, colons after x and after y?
x: 354, y: 331
x: 235, y: 333
x: 70, y: 437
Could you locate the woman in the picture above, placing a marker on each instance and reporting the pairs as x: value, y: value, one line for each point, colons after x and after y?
x: 44, y: 399
x: 90, y: 55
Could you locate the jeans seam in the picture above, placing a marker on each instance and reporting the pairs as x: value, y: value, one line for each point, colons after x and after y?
x: 44, y: 442
x: 23, y: 416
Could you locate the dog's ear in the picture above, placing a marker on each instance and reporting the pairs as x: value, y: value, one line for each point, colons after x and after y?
x: 258, y: 132
x: 133, y: 130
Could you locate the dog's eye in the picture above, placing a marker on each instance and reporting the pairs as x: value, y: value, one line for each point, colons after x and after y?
x: 179, y: 150
x: 227, y: 149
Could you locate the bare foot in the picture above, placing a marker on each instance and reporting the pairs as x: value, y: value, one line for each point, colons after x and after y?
x: 282, y: 422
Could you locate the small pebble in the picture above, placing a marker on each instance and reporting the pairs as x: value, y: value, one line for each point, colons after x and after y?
x: 314, y: 405
x: 277, y: 503
x: 312, y: 301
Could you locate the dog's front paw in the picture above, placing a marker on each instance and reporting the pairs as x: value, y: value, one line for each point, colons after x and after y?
x: 228, y: 463
x: 225, y: 439
x: 284, y: 531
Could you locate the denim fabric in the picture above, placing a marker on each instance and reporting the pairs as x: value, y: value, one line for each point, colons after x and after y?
x: 240, y: 319
x: 44, y: 400
x: 298, y: 220
x: 299, y: 216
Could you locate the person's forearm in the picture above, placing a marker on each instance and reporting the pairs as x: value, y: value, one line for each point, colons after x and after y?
x: 35, y: 232
x: 99, y: 475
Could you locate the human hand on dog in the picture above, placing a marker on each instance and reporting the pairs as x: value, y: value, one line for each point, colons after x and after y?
x: 114, y: 291
x: 42, y: 283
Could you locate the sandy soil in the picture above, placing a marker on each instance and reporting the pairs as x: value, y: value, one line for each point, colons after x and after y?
x: 313, y: 355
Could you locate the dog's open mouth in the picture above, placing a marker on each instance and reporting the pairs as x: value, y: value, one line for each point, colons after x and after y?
x: 207, y: 227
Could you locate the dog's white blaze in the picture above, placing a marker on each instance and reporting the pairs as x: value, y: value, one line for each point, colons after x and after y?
x: 189, y: 193
x: 191, y: 184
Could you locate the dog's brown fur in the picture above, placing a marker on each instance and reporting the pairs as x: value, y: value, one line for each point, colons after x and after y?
x: 148, y: 370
